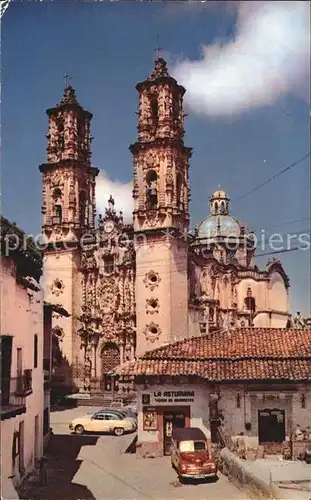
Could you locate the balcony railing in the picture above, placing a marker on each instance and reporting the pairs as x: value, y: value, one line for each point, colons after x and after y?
x: 13, y: 394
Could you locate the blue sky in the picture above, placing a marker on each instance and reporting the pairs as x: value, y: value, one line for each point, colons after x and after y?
x: 108, y: 48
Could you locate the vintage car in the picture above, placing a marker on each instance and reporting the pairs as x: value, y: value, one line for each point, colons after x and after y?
x: 191, y: 454
x: 110, y: 421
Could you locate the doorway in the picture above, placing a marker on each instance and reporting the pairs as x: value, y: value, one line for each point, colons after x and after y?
x: 171, y: 420
x: 271, y: 426
x: 110, y: 358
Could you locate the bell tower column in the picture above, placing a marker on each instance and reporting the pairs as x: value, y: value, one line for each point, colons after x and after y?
x: 68, y: 209
x: 161, y: 211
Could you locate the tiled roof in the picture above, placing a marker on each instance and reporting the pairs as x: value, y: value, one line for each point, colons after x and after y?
x: 242, y: 354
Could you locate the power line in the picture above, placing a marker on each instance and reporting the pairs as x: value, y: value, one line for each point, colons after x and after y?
x: 286, y: 223
x: 262, y: 184
x: 279, y: 251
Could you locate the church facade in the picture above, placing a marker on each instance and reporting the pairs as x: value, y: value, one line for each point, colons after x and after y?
x: 130, y: 288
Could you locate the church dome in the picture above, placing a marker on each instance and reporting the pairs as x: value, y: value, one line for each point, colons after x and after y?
x: 219, y: 222
x: 218, y: 225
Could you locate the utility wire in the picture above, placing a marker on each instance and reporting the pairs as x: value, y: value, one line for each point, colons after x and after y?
x: 279, y: 251
x: 286, y: 223
x: 286, y: 169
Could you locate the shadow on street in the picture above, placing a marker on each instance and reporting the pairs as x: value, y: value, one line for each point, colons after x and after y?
x: 61, y: 467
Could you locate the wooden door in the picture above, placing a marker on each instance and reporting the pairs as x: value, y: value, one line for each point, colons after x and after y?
x: 271, y: 425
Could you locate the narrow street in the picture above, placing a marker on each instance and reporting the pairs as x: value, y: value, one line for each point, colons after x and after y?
x: 96, y: 467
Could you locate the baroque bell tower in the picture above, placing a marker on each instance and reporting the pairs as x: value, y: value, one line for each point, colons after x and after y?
x: 68, y: 209
x: 68, y: 197
x: 161, y: 211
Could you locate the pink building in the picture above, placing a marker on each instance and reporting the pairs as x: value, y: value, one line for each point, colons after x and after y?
x: 25, y: 398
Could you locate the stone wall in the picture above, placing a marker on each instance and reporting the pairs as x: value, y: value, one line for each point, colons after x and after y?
x: 258, y: 484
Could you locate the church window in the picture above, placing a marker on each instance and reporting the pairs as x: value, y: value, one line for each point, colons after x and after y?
x: 152, y: 277
x: 152, y: 191
x: 222, y: 207
x: 249, y: 301
x: 153, y: 330
x: 202, y: 326
x: 57, y: 197
x: 58, y: 212
x: 216, y: 208
x: 108, y: 264
x: 152, y: 305
x: 151, y: 280
x: 57, y: 194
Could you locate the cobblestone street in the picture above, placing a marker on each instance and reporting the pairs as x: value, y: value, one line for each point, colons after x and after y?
x: 96, y: 467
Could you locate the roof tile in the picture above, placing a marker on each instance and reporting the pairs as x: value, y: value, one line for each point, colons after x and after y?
x: 242, y: 354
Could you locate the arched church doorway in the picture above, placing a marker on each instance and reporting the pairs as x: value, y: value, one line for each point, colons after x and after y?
x: 110, y: 358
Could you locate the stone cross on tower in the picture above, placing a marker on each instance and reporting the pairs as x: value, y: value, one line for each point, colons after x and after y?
x: 158, y: 48
x: 66, y: 78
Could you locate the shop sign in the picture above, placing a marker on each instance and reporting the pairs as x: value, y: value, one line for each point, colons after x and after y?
x: 177, y: 397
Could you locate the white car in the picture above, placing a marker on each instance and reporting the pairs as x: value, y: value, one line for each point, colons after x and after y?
x: 104, y: 421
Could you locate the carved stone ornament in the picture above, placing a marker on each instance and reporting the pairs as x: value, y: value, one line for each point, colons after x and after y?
x: 152, y: 305
x: 152, y: 218
x: 57, y: 287
x: 56, y: 180
x: 58, y: 332
x: 108, y: 327
x: 152, y: 280
x: 57, y: 233
x: 150, y: 161
x: 169, y: 177
x: 152, y: 332
x: 107, y: 295
x: 88, y: 261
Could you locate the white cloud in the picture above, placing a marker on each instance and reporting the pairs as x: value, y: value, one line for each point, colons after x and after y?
x: 268, y: 58
x: 121, y: 192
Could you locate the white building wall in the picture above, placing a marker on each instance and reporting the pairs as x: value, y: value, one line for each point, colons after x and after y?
x: 199, y: 411
x: 238, y: 405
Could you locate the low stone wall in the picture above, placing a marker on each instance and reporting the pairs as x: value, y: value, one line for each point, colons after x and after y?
x: 299, y: 448
x: 257, y: 483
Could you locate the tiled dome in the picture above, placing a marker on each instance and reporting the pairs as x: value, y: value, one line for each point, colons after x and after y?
x: 218, y: 225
